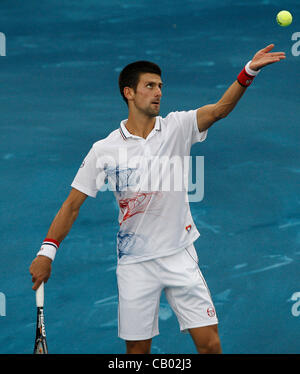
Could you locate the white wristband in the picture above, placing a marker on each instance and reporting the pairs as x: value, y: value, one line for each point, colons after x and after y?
x: 47, y: 250
x: 250, y: 71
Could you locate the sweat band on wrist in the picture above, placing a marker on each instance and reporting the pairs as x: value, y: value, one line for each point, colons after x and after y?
x: 49, y: 248
x: 246, y: 76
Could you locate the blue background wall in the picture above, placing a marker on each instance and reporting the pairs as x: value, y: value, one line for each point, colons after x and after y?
x: 59, y: 94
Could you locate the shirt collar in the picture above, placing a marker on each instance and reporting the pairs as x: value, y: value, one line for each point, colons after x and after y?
x: 126, y: 134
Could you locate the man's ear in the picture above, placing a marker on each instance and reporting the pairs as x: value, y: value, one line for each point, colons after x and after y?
x: 128, y: 93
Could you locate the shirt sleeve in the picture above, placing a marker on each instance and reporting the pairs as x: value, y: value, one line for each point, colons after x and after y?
x: 89, y: 178
x: 188, y: 122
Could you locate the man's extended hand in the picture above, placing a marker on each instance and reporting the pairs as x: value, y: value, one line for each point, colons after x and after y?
x: 264, y: 57
x: 40, y: 269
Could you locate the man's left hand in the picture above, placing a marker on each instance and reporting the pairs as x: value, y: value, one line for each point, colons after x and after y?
x: 265, y: 57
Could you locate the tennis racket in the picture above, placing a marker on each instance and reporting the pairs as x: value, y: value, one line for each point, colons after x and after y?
x: 40, y: 345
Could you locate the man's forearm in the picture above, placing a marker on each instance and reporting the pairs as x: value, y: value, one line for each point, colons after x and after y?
x: 229, y: 100
x: 62, y: 222
x: 231, y: 97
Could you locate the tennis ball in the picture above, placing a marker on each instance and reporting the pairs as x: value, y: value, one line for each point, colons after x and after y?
x: 284, y: 18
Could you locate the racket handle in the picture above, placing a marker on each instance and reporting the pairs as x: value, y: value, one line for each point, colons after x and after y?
x: 39, y: 296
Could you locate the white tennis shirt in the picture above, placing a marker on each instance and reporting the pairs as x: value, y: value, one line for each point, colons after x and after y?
x: 149, y: 181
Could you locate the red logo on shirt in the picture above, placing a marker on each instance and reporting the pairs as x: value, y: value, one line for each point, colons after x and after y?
x: 188, y: 228
x: 211, y: 312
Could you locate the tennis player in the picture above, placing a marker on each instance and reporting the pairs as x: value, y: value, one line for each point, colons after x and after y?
x: 155, y: 249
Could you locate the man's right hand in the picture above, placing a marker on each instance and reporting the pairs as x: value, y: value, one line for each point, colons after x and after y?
x: 40, y: 269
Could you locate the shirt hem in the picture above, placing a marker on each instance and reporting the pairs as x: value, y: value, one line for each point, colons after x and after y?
x: 168, y: 253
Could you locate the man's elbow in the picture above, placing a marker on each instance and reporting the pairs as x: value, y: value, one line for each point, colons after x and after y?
x: 221, y: 116
x: 70, y: 209
x: 220, y: 111
x: 74, y: 200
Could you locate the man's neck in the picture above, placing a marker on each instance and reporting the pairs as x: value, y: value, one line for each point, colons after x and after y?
x: 140, y: 125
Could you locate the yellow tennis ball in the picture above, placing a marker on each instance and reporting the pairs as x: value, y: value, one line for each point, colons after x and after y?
x: 284, y: 18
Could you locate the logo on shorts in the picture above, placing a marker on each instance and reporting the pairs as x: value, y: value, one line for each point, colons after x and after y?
x: 211, y: 312
x: 188, y: 228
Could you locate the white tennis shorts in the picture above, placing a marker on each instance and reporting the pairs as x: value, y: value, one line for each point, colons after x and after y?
x: 140, y: 286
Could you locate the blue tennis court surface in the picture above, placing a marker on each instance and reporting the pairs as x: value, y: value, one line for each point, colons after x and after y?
x: 59, y: 94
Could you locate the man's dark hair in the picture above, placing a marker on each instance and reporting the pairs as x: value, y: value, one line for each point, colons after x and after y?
x: 130, y: 75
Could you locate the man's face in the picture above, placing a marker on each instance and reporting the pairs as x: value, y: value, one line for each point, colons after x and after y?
x: 148, y: 94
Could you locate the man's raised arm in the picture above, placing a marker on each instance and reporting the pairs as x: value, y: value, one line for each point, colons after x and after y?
x: 209, y: 114
x: 40, y: 268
